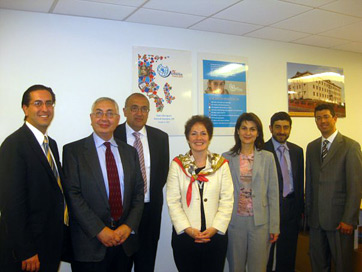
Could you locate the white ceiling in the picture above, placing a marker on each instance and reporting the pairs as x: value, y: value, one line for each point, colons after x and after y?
x: 335, y: 24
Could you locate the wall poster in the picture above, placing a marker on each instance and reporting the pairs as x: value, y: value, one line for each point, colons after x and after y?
x: 310, y: 85
x: 222, y: 90
x: 165, y: 77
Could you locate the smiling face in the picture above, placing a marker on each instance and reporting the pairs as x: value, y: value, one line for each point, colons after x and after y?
x: 198, y: 138
x: 248, y: 132
x: 326, y: 123
x: 280, y: 130
x: 40, y: 111
x: 105, y: 125
x: 136, y: 112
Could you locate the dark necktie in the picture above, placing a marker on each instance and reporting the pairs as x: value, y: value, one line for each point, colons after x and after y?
x: 324, y: 149
x: 115, y: 197
x: 138, y: 145
x: 56, y: 174
x: 285, y: 172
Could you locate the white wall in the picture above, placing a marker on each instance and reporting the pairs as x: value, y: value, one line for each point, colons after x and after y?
x: 83, y: 59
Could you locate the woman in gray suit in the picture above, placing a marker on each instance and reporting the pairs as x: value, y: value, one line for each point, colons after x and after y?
x: 255, y: 218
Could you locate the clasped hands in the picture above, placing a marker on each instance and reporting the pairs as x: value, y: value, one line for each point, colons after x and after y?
x: 110, y: 238
x: 201, y: 237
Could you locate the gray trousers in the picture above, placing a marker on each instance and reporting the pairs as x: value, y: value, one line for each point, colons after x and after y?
x: 248, y: 246
x: 327, y: 245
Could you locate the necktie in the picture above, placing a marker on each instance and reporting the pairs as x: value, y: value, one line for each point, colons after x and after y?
x: 324, y: 149
x: 138, y: 145
x: 56, y: 174
x: 285, y: 172
x: 115, y: 197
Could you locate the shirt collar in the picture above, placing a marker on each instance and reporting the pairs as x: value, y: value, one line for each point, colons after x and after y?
x: 330, y: 138
x: 277, y: 144
x: 99, y: 141
x: 37, y: 133
x: 129, y: 131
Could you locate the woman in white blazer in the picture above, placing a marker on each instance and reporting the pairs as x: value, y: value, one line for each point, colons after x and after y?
x: 255, y: 219
x: 200, y: 201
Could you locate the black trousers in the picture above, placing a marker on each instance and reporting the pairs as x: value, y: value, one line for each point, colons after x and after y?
x: 190, y: 256
x: 144, y: 258
x: 286, y: 246
x: 115, y: 261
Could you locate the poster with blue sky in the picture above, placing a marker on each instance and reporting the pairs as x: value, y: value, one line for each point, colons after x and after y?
x: 223, y: 91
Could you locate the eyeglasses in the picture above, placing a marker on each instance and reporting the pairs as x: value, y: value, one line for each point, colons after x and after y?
x: 39, y: 103
x: 135, y: 108
x: 108, y: 114
x: 325, y: 117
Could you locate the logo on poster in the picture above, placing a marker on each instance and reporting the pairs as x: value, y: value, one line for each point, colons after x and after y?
x: 163, y: 71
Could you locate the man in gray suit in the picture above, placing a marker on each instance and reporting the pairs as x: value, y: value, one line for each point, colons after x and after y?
x: 104, y: 188
x: 333, y: 193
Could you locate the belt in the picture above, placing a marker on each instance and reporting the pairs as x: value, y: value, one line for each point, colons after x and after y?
x: 114, y: 224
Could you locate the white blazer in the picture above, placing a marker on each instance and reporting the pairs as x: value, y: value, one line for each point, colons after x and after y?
x: 217, y: 196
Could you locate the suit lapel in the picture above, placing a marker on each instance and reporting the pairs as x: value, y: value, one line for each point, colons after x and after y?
x: 153, y: 154
x: 34, y: 144
x: 122, y: 134
x: 126, y: 177
x: 293, y: 161
x: 91, y: 158
x: 335, y: 146
x: 235, y: 160
x: 256, y: 164
x: 270, y: 147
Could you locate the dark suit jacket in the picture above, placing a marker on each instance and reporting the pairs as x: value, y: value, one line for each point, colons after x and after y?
x: 334, y: 186
x: 88, y: 202
x: 160, y: 159
x: 297, y: 162
x: 31, y: 201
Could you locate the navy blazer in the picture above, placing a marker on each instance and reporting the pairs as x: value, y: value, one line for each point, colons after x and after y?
x: 31, y: 202
x: 297, y: 162
x: 160, y: 160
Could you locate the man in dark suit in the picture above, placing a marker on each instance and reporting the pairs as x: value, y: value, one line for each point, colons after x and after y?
x: 333, y: 193
x: 104, y: 188
x: 155, y: 156
x: 32, y: 205
x: 290, y: 167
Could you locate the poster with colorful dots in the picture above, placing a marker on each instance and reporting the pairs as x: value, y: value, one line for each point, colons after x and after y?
x: 165, y: 77
x: 222, y: 89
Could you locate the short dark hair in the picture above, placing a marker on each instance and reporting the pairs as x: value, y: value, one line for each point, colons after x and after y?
x: 26, y: 96
x: 281, y: 115
x: 325, y: 106
x: 259, y: 142
x: 206, y: 121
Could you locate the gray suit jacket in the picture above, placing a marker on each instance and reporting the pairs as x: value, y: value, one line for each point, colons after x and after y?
x: 87, y: 198
x: 334, y: 186
x: 264, y: 188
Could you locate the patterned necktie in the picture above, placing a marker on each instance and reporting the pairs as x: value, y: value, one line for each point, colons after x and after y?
x: 324, y: 149
x: 285, y: 172
x: 138, y: 145
x: 56, y: 174
x: 115, y: 196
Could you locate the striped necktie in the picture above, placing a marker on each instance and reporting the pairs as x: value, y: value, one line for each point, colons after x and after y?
x: 138, y: 145
x: 324, y: 149
x: 56, y: 174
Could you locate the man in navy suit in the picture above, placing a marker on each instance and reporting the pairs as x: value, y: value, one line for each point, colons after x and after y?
x: 104, y: 188
x: 291, y: 192
x: 155, y: 156
x: 31, y: 199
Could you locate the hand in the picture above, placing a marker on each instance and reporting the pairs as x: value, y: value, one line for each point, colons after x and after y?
x: 192, y: 232
x: 31, y: 264
x: 205, y: 236
x: 273, y: 237
x: 108, y: 237
x: 123, y: 231
x: 345, y: 228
